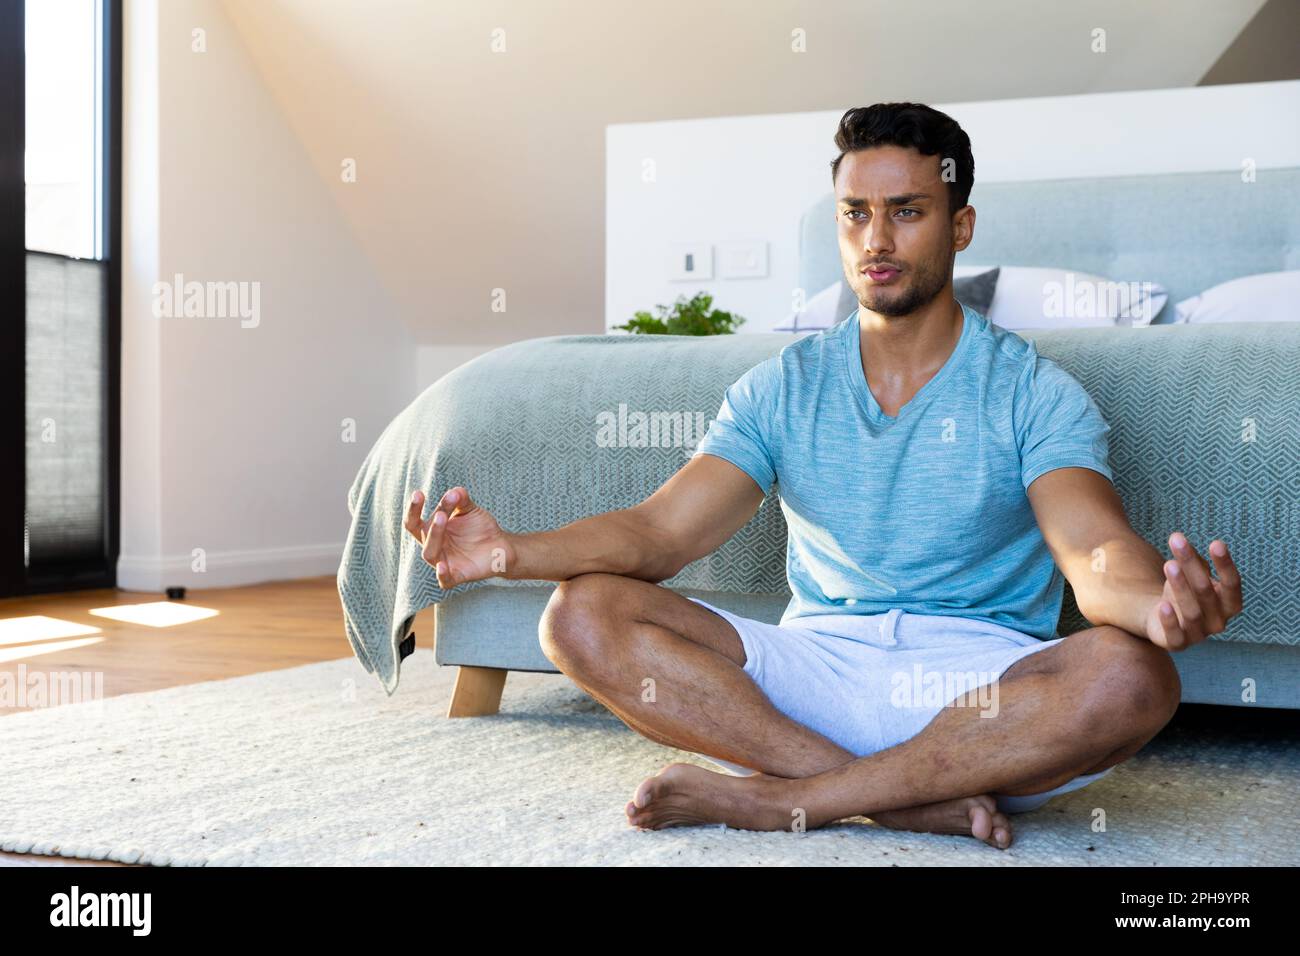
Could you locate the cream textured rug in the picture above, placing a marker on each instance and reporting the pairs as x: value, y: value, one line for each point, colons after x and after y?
x: 314, y: 765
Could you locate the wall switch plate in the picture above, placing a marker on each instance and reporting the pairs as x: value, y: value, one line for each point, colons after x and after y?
x: 690, y: 261
x: 742, y: 259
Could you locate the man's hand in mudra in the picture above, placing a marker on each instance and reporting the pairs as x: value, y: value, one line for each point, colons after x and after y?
x: 460, y: 540
x: 1194, y: 605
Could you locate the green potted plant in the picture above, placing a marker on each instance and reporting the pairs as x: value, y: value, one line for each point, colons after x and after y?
x: 687, y: 317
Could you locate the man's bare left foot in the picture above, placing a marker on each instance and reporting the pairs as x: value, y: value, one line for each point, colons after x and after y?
x: 966, y: 816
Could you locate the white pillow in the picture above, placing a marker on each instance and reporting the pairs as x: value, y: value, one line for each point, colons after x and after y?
x: 1267, y: 297
x: 1028, y: 297
x: 826, y: 308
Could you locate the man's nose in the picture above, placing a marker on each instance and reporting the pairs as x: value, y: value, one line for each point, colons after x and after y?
x: 877, y: 236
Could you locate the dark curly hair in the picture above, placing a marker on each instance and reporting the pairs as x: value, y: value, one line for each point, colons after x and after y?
x: 913, y: 125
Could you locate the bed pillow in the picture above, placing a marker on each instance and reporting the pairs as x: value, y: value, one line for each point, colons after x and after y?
x: 1029, y: 297
x: 977, y: 290
x: 837, y: 302
x: 1267, y: 297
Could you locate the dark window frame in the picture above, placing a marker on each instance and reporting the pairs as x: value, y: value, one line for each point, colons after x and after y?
x: 15, y: 577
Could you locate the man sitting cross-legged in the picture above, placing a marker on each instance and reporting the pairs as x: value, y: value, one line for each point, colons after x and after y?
x: 938, y: 477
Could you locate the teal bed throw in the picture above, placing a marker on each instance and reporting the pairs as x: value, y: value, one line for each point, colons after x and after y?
x: 1205, y: 438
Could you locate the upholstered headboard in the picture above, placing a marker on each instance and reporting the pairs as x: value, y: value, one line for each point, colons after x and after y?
x: 1186, y: 231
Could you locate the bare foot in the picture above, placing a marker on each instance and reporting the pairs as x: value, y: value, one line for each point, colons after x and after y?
x: 684, y: 795
x: 968, y: 816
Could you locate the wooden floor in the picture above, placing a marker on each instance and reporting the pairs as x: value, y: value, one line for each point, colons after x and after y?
x: 258, y: 628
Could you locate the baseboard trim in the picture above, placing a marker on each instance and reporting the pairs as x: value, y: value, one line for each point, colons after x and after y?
x: 226, y: 569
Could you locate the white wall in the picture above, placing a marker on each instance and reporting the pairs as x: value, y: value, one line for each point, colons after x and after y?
x: 141, y: 458
x: 233, y: 440
x: 478, y: 127
x: 752, y: 177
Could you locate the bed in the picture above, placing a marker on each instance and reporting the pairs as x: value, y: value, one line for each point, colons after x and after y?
x: 519, y: 427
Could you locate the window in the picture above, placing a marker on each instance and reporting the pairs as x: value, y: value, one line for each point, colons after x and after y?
x: 60, y: 122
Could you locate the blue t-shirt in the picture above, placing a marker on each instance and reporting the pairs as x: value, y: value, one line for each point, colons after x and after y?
x: 925, y: 511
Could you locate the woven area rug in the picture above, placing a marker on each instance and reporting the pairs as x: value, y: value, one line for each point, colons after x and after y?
x: 315, y: 765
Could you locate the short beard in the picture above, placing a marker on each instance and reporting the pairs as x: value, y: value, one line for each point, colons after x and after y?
x: 920, y: 292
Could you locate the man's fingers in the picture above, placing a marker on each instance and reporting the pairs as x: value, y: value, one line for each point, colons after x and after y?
x: 446, y: 579
x: 415, y: 507
x: 1190, y: 618
x: 446, y: 505
x: 435, y: 530
x: 456, y: 501
x: 1229, y: 587
x: 1173, y: 638
x: 464, y: 503
x: 1195, y: 570
x: 432, y: 533
x: 1197, y: 575
x: 420, y: 530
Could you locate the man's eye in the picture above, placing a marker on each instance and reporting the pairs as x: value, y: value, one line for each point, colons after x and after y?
x: 849, y: 214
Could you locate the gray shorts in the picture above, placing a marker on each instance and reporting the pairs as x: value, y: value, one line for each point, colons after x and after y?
x: 868, y: 682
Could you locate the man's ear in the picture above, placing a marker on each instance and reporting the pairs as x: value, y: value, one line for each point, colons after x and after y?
x: 963, y: 227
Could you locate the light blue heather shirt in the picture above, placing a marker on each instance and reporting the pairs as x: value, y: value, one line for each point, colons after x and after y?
x: 926, y: 511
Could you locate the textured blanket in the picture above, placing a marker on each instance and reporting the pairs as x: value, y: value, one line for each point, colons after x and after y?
x: 1205, y: 439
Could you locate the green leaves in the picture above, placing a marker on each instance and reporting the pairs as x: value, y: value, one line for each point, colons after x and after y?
x: 687, y: 317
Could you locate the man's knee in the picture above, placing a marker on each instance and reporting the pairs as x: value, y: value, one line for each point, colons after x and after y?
x: 1134, y: 688
x: 576, y: 625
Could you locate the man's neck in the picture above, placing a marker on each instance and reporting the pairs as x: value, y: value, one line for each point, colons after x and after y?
x: 901, y: 353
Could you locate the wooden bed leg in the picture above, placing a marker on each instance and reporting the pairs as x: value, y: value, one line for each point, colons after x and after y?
x: 477, y: 692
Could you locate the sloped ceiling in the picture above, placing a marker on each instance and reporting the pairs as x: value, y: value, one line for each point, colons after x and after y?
x: 479, y: 170
x: 1267, y: 49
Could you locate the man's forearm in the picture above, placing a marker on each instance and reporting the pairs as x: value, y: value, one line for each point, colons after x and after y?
x: 616, y: 542
x: 1123, y: 583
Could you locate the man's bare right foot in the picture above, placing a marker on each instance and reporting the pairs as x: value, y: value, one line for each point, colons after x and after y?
x: 968, y: 816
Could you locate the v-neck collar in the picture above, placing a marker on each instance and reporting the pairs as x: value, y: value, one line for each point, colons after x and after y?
x: 858, y: 378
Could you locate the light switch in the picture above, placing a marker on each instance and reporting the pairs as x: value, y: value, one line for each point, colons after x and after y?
x: 742, y: 259
x: 690, y: 261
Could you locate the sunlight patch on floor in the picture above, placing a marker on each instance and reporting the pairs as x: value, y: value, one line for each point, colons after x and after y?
x: 53, y: 647
x: 156, y: 613
x: 38, y: 627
